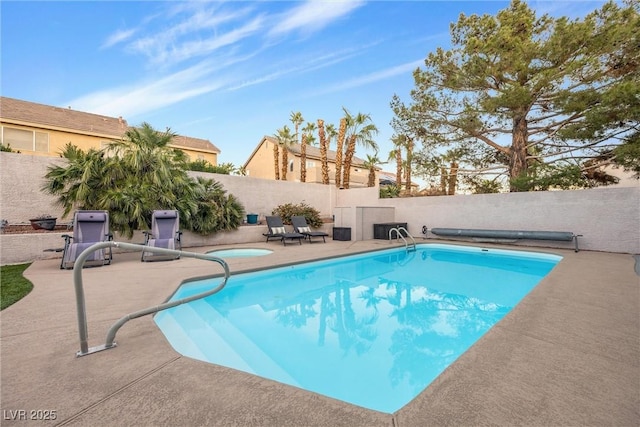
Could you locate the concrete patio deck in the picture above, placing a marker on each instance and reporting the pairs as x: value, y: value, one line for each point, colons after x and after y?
x: 568, y: 354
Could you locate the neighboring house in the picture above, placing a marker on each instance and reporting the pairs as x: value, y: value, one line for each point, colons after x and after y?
x: 44, y: 130
x: 261, y: 164
x: 389, y: 178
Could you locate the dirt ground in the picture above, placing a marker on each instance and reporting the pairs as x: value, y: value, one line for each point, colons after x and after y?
x: 28, y: 229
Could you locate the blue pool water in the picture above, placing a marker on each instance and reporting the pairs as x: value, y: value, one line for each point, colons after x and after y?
x: 240, y: 252
x: 373, y: 330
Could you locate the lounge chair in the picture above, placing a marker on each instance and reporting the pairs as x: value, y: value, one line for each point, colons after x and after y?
x: 89, y: 228
x: 277, y: 231
x: 300, y: 225
x: 165, y: 233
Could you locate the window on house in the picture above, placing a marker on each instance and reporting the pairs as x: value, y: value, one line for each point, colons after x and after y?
x: 311, y: 164
x: 290, y: 165
x: 23, y: 139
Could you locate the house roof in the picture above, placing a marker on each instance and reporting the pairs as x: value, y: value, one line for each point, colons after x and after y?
x: 24, y: 112
x: 197, y: 144
x: 312, y: 152
x: 30, y: 113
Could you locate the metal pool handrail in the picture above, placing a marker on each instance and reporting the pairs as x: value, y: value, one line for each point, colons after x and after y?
x: 399, y: 235
x: 80, y: 301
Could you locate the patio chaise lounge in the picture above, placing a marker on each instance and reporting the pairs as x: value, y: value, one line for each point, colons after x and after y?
x: 165, y: 233
x: 89, y: 228
x: 277, y: 231
x: 300, y: 225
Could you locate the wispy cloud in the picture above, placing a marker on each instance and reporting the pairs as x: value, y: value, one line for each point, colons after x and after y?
x: 134, y: 100
x: 308, y: 64
x: 569, y: 8
x: 197, y: 34
x: 372, y: 77
x: 312, y: 16
x: 118, y: 37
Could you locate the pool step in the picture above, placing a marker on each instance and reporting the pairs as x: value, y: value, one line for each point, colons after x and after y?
x: 260, y: 363
x: 190, y: 336
x: 220, y: 341
x: 177, y: 336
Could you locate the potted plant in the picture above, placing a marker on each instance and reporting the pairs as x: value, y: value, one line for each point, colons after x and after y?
x: 43, y: 222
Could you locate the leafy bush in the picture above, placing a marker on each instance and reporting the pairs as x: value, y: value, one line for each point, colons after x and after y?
x: 288, y: 210
x: 8, y: 148
x: 132, y: 177
x: 201, y: 165
x: 389, y: 191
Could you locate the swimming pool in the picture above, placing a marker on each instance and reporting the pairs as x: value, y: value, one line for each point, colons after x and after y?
x: 240, y: 252
x: 372, y: 329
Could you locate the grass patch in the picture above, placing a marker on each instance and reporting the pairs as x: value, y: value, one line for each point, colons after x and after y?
x: 13, y: 285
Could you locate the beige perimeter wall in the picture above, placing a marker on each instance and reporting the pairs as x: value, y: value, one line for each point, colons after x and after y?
x: 608, y: 218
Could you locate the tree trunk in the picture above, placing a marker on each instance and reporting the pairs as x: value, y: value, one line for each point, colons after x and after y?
x: 409, y: 158
x: 340, y: 143
x: 453, y: 179
x: 323, y: 152
x: 276, y: 159
x: 443, y: 180
x: 285, y: 163
x: 348, y: 157
x: 303, y: 159
x: 398, y: 167
x: 372, y: 177
x: 518, y: 151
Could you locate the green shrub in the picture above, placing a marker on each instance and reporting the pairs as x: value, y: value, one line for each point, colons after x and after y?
x: 389, y: 191
x: 133, y: 177
x: 202, y: 165
x: 8, y: 148
x: 288, y: 210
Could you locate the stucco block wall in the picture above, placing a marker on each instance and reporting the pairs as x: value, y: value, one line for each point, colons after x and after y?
x: 260, y: 196
x: 608, y: 218
x: 22, y: 177
x: 21, y: 180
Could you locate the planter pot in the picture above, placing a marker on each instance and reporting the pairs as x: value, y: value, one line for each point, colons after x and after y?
x: 43, y: 224
x: 252, y: 218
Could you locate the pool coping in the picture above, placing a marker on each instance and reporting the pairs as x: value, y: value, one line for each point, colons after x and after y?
x: 568, y: 354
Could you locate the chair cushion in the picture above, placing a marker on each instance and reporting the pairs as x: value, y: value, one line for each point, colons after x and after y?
x: 91, y: 216
x: 304, y: 229
x: 278, y: 230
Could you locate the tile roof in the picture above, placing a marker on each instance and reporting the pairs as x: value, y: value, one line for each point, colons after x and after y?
x: 16, y: 110
x: 30, y: 113
x: 195, y: 143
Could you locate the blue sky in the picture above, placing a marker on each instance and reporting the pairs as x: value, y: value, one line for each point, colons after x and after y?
x: 233, y: 71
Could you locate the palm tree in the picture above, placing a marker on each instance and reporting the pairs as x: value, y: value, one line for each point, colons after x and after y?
x: 331, y: 133
x: 132, y: 177
x: 285, y: 139
x: 371, y: 163
x: 359, y: 132
x: 307, y: 139
x: 340, y: 143
x: 323, y: 152
x: 276, y: 157
x: 297, y: 119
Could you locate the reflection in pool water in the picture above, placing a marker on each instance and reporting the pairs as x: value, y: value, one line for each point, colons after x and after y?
x: 373, y: 330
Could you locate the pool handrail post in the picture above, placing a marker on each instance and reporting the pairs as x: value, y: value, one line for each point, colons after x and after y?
x: 80, y: 298
x: 399, y: 236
